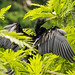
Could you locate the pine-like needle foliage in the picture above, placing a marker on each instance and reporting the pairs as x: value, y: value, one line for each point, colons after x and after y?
x: 3, y: 11
x: 17, y: 38
x: 53, y: 8
x: 10, y: 58
x: 62, y: 13
x: 58, y: 10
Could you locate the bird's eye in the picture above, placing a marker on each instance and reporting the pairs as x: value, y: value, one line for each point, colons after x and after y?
x: 52, y: 27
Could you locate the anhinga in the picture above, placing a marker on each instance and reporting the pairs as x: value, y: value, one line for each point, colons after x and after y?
x: 46, y: 40
x: 5, y: 42
x: 52, y: 40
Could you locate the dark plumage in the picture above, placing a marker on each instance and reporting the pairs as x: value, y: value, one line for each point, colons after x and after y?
x: 52, y: 40
x: 6, y: 43
x: 46, y: 40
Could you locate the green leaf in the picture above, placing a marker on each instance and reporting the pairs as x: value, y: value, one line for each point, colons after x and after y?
x: 60, y: 7
x: 3, y: 11
x: 35, y: 66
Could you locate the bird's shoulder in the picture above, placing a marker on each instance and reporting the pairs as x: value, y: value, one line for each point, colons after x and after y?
x: 50, y: 33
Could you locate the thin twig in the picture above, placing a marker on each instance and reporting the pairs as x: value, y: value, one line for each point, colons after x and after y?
x: 56, y: 73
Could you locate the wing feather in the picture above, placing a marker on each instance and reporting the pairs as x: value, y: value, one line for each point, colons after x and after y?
x: 48, y: 46
x: 56, y: 43
x: 66, y: 47
x: 70, y: 50
x: 55, y: 46
x: 61, y: 51
x: 66, y: 53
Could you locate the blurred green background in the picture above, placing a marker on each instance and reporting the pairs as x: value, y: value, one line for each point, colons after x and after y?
x: 18, y: 10
x: 21, y: 7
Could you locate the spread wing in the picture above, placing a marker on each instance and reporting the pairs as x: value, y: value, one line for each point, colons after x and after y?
x: 53, y: 41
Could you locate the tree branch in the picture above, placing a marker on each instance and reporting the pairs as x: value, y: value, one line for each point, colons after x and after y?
x: 56, y: 73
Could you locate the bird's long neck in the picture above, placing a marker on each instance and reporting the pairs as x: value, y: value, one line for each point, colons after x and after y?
x: 38, y: 25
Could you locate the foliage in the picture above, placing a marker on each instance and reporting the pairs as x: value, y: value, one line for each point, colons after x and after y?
x: 71, y: 73
x: 70, y: 35
x: 52, y: 5
x: 62, y: 10
x: 29, y: 31
x: 2, y: 68
x: 59, y: 9
x: 9, y: 58
x: 17, y: 38
x: 3, y: 10
x: 38, y: 64
x: 13, y: 61
x: 35, y: 66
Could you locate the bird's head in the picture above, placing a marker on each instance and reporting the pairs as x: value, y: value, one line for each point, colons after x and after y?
x: 15, y: 27
x: 40, y: 22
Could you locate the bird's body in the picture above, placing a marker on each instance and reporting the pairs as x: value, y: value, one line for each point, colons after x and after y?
x: 5, y: 42
x: 46, y: 40
x: 53, y: 40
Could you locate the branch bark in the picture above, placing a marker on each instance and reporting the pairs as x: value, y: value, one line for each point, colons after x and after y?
x: 26, y: 3
x: 56, y: 73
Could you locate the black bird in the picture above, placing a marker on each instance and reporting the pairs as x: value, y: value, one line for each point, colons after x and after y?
x: 52, y: 40
x: 46, y: 40
x: 5, y: 42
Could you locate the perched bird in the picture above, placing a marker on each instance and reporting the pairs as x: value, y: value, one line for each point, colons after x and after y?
x: 46, y: 40
x: 52, y: 40
x: 5, y: 42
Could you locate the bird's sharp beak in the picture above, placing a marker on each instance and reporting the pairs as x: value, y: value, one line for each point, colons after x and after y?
x: 48, y: 19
